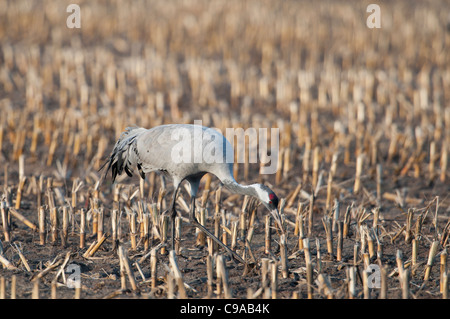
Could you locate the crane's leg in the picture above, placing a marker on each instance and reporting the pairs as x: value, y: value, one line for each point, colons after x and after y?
x: 173, y: 215
x: 207, y: 232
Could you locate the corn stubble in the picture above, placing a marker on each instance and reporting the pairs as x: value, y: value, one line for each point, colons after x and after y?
x: 362, y: 168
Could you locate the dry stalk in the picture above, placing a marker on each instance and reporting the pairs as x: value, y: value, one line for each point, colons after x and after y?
x: 76, y: 186
x: 2, y: 287
x: 408, y: 232
x: 217, y: 219
x: 311, y: 213
x: 209, y: 273
x: 13, y: 286
x: 376, y: 217
x: 433, y: 157
x: 445, y: 234
x: 359, y: 166
x: 330, y: 179
x: 77, y: 294
x: 444, y: 161
x: 443, y: 268
x: 242, y: 227
x: 61, y: 269
x: 161, y: 202
x: 40, y: 191
x: 114, y: 228
x: 274, y: 278
x: 90, y: 252
x: 326, y: 221
x: 379, y: 181
x: 316, y: 163
x: 86, y: 253
x: 301, y: 229
x: 133, y: 234
x: 22, y: 258
x: 283, y: 256
x: 42, y: 234
x: 400, y: 266
x: 153, y: 268
x: 82, y: 228
x: 164, y: 228
x: 265, y: 265
x: 123, y: 278
x: 19, y: 192
x: 35, y: 291
x: 201, y: 237
x: 370, y: 242
x: 177, y: 275
x: 6, y: 263
x: 445, y: 286
x: 306, y: 159
x: 171, y: 285
x: 347, y: 219
x: 50, y: 193
x: 55, y: 263
x: 268, y: 235
x: 399, y: 232
x: 5, y: 221
x: 222, y: 273
x: 366, y: 289
x: 146, y: 226
x: 309, y: 268
x: 414, y: 244
x: 340, y: 241
x: 124, y: 259
x: 380, y: 246
x: 234, y: 234
x: 336, y: 213
x: 65, y: 226
x: 383, y: 282
x: 54, y: 221
x: 250, y: 229
x: 318, y: 256
x: 355, y: 254
x: 431, y: 257
x: 405, y: 284
x: 225, y: 230
x: 351, y: 275
x: 94, y: 212
x: 325, y: 285
x: 100, y: 216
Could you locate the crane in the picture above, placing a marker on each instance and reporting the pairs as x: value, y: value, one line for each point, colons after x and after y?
x: 184, y: 152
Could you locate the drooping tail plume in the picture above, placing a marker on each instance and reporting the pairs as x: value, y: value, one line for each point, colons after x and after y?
x: 120, y: 159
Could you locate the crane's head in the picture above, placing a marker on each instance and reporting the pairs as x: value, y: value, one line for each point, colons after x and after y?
x: 270, y: 200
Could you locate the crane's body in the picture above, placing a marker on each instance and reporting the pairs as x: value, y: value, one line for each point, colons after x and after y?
x: 154, y: 150
x: 184, y: 152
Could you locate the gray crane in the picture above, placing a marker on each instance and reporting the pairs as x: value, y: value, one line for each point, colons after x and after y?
x: 184, y: 152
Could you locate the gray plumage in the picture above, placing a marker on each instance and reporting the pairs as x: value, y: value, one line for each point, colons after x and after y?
x: 184, y: 152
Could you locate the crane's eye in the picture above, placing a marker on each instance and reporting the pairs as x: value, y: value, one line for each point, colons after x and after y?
x: 273, y: 199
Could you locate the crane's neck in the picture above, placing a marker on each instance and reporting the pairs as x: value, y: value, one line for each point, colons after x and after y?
x: 237, y: 188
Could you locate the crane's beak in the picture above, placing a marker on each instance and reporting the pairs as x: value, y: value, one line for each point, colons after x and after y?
x: 276, y: 215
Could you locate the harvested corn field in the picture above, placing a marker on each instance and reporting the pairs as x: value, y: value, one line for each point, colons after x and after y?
x: 362, y: 169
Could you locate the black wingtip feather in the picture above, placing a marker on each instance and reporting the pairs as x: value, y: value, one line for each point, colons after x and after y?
x: 141, y: 172
x: 127, y: 170
x: 114, y: 171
